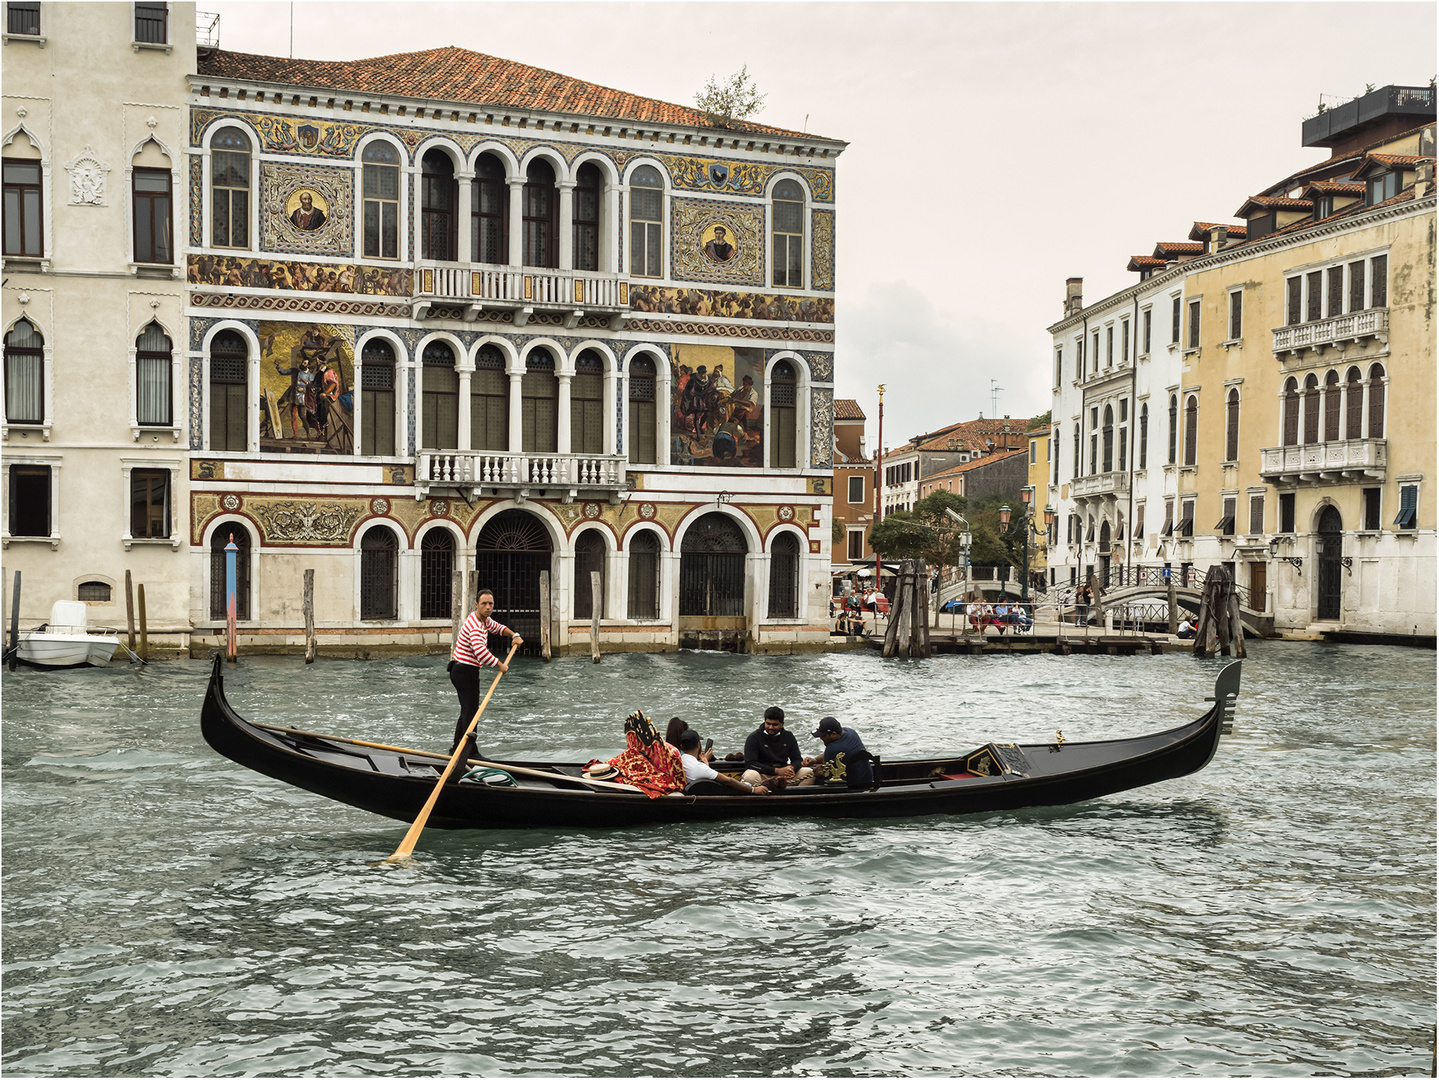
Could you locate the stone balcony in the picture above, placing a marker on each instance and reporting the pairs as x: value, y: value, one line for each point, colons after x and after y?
x: 1325, y: 462
x: 519, y: 476
x: 1338, y: 330
x: 475, y: 287
x: 1107, y: 483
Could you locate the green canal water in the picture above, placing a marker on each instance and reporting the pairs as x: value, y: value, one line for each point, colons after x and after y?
x: 167, y: 913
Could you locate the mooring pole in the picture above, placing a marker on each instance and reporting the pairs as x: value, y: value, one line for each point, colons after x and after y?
x: 595, y: 616
x: 130, y: 610
x: 230, y: 644
x: 14, y: 620
x: 144, y: 631
x: 309, y: 616
x: 545, y: 616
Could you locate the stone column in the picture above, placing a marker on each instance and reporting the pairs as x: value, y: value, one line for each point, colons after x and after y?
x: 567, y: 224
x: 516, y: 438
x: 517, y: 220
x: 465, y: 182
x: 562, y: 410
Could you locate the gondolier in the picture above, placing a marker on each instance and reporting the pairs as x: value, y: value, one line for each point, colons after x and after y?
x: 472, y: 652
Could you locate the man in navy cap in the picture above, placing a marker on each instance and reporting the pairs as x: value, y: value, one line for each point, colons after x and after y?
x: 845, y: 758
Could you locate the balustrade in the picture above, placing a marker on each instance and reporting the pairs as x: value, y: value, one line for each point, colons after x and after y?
x: 1334, y: 460
x: 1331, y: 331
x: 478, y: 468
x: 514, y: 286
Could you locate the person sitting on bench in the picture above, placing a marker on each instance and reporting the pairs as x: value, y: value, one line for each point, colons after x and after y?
x: 697, y: 766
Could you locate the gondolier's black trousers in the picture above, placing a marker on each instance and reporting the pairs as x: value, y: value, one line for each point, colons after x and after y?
x: 466, y: 680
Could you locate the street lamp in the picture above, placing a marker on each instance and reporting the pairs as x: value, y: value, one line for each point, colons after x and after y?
x: 1027, y: 528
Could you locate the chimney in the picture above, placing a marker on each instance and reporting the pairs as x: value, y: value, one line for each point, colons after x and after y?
x: 1424, y: 179
x: 1218, y: 237
x: 1073, y: 295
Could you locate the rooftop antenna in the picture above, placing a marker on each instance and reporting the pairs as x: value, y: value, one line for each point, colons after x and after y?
x: 994, y: 389
x: 292, y: 29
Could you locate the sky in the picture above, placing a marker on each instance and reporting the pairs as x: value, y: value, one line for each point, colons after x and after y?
x: 994, y: 149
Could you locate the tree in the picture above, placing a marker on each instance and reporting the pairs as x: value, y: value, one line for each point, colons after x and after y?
x: 1041, y: 421
x: 735, y: 98
x: 926, y: 532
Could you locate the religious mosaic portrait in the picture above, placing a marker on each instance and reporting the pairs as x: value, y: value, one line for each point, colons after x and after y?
x: 307, y: 373
x: 717, y: 415
x: 717, y: 241
x: 306, y: 209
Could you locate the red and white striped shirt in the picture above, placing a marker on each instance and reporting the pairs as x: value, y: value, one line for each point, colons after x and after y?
x: 472, y: 646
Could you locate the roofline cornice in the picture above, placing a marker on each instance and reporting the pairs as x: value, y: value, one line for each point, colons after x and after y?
x: 324, y: 93
x: 1159, y: 282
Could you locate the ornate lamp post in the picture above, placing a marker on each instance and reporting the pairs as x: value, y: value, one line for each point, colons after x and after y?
x: 1027, y: 528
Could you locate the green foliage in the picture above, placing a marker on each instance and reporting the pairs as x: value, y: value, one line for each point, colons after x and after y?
x: 926, y: 532
x: 735, y: 98
x: 1041, y: 421
x: 836, y: 531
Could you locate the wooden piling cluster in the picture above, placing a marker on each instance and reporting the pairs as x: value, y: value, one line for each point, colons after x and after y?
x: 908, y: 633
x: 1219, y: 624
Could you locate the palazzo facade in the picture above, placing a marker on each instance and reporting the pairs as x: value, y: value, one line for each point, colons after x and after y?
x: 453, y: 322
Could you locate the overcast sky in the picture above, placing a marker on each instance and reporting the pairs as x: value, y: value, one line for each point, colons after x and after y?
x: 995, y: 149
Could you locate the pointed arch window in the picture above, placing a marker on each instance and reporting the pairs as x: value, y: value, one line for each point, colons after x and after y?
x: 788, y: 235
x: 24, y: 374
x: 587, y: 404
x: 1144, y: 435
x: 153, y: 230
x: 539, y: 404
x: 586, y: 215
x: 229, y: 363
x: 152, y: 378
x: 230, y: 189
x: 644, y: 439
x: 1354, y: 405
x: 647, y: 212
x: 1290, y: 410
x: 437, y: 207
x: 1331, y: 407
x: 782, y: 415
x: 1231, y: 425
x: 1173, y: 428
x: 1311, y: 408
x: 490, y: 401
x: 380, y: 165
x: 490, y: 212
x: 1191, y: 429
x: 377, y: 398
x: 440, y: 403
x: 540, y: 210
x: 1376, y: 401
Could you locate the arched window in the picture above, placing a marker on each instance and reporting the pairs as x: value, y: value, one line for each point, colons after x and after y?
x: 440, y: 405
x: 229, y: 363
x: 377, y: 398
x: 381, y: 167
x: 1231, y: 425
x: 540, y: 210
x: 539, y: 404
x: 1290, y: 409
x: 152, y: 225
x: 437, y: 573
x: 1108, y: 439
x: 782, y: 415
x: 490, y: 212
x: 1173, y: 428
x: 784, y: 577
x: 437, y: 206
x: 789, y: 235
x: 1144, y: 435
x: 644, y: 439
x: 647, y: 214
x: 230, y: 189
x: 589, y: 558
x: 1191, y: 429
x: 644, y: 555
x: 1311, y: 408
x: 152, y: 377
x: 1354, y: 404
x: 1331, y: 407
x: 490, y: 401
x: 218, y: 600
x: 24, y: 374
x: 587, y: 217
x: 379, y: 566
x: 1376, y: 401
x: 587, y: 404
x: 23, y: 206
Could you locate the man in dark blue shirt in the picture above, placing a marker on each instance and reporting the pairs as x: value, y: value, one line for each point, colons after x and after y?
x: 845, y: 758
x: 771, y: 755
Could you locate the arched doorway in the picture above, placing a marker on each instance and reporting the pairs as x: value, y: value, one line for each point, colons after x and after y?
x: 1104, y: 535
x: 511, y: 551
x: 712, y: 584
x: 1329, y: 550
x: 223, y: 534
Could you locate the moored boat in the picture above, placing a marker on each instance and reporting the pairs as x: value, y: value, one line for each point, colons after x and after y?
x: 66, y: 641
x: 395, y: 782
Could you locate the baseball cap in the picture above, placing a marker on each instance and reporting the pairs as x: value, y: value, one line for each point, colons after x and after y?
x: 828, y: 723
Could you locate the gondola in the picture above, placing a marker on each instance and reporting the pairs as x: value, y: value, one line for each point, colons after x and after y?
x: 395, y: 782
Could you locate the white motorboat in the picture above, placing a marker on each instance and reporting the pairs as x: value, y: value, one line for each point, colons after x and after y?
x: 66, y: 641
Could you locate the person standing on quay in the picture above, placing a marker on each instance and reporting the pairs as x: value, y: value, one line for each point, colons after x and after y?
x: 471, y: 652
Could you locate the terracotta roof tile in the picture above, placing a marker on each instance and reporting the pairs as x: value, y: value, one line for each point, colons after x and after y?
x: 1201, y: 230
x: 1145, y: 262
x: 968, y: 466
x: 847, y: 409
x: 455, y: 74
x: 1334, y: 187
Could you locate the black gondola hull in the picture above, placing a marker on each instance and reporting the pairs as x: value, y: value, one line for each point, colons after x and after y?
x: 395, y: 783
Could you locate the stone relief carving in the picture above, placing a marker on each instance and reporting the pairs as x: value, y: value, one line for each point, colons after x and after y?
x: 292, y: 522
x: 87, y: 179
x: 821, y: 443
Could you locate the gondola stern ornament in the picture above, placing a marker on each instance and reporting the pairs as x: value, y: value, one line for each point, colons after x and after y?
x: 1058, y: 739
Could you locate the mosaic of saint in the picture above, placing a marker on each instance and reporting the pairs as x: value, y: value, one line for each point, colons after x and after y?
x: 307, y: 377
x: 716, y: 412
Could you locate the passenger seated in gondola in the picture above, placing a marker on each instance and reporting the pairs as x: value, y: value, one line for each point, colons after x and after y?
x: 697, y: 766
x: 648, y: 762
x: 771, y: 755
x: 673, y: 732
x: 845, y: 759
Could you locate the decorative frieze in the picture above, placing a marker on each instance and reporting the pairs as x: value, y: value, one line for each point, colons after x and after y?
x: 295, y: 521
x: 821, y: 443
x: 821, y: 237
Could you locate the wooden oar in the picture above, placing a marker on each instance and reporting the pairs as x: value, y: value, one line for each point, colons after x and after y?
x: 407, y: 845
